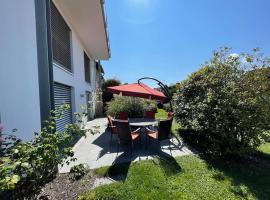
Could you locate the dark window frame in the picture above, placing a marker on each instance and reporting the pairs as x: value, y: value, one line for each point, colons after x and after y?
x: 87, y: 68
x: 61, y: 40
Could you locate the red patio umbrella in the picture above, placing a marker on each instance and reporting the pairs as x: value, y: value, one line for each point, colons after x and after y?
x: 137, y: 90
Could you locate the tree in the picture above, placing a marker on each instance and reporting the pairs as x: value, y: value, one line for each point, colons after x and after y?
x: 108, y: 96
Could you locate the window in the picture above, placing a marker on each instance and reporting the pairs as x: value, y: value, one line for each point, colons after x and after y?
x: 61, y: 46
x: 87, y: 71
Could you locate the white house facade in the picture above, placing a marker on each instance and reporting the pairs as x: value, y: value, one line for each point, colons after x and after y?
x: 50, y: 55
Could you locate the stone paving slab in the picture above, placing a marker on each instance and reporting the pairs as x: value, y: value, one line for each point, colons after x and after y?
x: 96, y: 151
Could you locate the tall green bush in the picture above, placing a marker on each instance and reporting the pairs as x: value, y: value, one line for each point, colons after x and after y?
x: 135, y: 107
x: 226, y: 103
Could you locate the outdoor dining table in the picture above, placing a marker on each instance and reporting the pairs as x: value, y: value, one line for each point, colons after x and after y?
x: 143, y: 124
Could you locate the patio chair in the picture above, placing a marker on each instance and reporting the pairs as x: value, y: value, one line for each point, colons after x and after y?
x: 163, y: 132
x: 112, y: 127
x: 150, y: 114
x: 123, y: 116
x: 170, y: 114
x: 125, y: 135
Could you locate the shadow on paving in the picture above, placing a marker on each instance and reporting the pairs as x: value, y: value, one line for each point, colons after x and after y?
x: 103, y: 141
x: 250, y: 173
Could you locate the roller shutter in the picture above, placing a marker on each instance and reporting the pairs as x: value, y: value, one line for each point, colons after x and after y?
x: 62, y: 95
x: 61, y: 41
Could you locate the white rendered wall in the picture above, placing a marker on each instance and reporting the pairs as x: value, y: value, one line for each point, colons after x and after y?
x: 19, y: 87
x: 76, y: 78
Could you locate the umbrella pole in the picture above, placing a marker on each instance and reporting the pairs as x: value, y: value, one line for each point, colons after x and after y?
x: 171, y: 106
x: 163, y: 87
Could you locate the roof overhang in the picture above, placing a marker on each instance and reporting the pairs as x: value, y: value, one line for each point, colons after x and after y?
x: 87, y: 19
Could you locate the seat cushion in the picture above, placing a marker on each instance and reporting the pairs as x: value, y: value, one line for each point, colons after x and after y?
x: 134, y: 135
x: 153, y: 134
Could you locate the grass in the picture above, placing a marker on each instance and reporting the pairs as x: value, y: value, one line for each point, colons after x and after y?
x: 161, y: 114
x: 265, y: 148
x: 187, y: 177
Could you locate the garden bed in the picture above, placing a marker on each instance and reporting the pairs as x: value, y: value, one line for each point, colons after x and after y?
x: 64, y: 187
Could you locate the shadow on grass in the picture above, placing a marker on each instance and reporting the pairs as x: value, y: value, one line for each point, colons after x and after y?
x: 248, y: 174
x: 168, y: 164
x: 118, y: 170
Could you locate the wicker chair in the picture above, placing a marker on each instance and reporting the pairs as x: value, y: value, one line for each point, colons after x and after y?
x: 112, y: 127
x: 163, y: 132
x: 170, y: 114
x: 125, y: 135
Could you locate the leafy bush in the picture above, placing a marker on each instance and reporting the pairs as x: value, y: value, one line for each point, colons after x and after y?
x: 149, y: 105
x: 135, y: 107
x: 25, y: 166
x: 226, y: 103
x: 78, y: 171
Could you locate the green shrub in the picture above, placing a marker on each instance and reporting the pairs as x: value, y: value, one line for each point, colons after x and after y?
x: 225, y: 102
x: 135, y: 107
x: 25, y: 166
x: 149, y: 105
x: 78, y: 171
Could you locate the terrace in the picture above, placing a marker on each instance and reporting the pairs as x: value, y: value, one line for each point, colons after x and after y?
x: 96, y: 151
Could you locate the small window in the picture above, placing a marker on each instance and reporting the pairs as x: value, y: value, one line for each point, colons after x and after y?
x: 61, y: 46
x: 87, y: 71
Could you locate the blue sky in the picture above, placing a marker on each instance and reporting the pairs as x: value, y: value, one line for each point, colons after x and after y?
x: 169, y: 39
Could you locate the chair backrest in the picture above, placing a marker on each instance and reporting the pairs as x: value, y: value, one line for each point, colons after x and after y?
x: 170, y: 114
x: 123, y: 116
x: 124, y: 132
x: 111, y: 124
x: 110, y: 121
x: 150, y: 114
x: 164, y: 129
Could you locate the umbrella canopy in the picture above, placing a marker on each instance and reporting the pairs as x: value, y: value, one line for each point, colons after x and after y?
x: 137, y: 90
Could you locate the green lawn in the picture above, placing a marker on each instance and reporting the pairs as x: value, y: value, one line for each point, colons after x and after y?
x: 265, y: 148
x: 161, y: 114
x: 188, y: 177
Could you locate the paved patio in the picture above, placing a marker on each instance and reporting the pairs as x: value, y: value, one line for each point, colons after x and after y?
x: 95, y: 150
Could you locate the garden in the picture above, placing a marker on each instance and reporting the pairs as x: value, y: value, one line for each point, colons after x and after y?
x: 222, y: 111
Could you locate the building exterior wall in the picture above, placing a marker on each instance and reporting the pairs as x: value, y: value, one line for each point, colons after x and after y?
x: 19, y: 79
x: 19, y: 86
x: 76, y: 78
